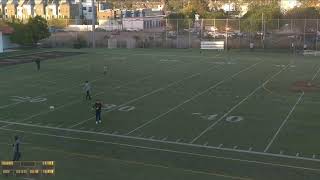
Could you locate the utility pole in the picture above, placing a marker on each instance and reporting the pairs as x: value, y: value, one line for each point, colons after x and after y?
x: 93, y: 24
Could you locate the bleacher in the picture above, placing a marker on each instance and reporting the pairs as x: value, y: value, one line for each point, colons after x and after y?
x: 212, y: 45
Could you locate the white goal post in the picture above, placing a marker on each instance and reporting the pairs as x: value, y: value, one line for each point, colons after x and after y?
x: 213, y: 45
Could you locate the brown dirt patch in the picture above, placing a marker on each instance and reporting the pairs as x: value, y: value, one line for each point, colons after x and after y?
x: 305, y: 86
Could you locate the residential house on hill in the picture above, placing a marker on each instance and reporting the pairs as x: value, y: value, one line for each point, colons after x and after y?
x: 40, y: 8
x: 25, y: 9
x: 68, y: 10
x: 52, y: 10
x: 3, y: 4
x: 11, y: 9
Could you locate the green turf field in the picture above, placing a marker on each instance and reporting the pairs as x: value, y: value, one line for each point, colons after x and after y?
x: 169, y: 114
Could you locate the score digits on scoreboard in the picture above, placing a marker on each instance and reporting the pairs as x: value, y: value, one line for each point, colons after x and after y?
x: 27, y: 168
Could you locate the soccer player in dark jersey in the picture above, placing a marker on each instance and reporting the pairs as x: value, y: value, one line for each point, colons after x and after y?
x: 16, y: 149
x: 97, y: 107
x: 38, y: 63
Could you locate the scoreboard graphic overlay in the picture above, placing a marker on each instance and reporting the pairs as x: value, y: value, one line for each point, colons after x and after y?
x: 27, y: 168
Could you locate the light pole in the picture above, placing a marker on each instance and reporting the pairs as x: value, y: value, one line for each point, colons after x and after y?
x: 227, y: 29
x: 93, y: 24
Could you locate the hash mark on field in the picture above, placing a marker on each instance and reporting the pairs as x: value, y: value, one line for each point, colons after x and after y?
x: 177, y: 140
x: 281, y: 152
x: 165, y: 138
x: 235, y: 147
x: 60, y: 125
x: 143, y: 139
x: 148, y: 94
x: 314, y: 156
x: 205, y: 144
x: 237, y: 105
x: 220, y: 145
x: 250, y: 149
x: 192, y: 98
x: 297, y: 155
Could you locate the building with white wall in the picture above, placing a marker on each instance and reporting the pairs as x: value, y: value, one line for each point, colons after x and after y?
x: 289, y: 4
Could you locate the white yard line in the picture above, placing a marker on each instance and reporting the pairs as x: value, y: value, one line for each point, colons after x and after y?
x: 193, y: 97
x: 183, y: 152
x: 289, y: 114
x: 148, y: 94
x: 56, y: 92
x: 283, y: 123
x: 76, y: 101
x: 52, y: 93
x: 237, y: 105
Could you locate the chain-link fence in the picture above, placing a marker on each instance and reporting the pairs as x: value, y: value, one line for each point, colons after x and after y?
x: 188, y: 33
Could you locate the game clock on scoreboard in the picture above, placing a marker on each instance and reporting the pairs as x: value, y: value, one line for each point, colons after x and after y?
x: 28, y: 168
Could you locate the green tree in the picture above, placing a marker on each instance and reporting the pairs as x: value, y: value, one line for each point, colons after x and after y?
x: 22, y: 34
x: 309, y: 3
x: 178, y: 21
x: 195, y: 7
x: 252, y: 20
x: 29, y: 33
x: 303, y: 13
x: 39, y: 28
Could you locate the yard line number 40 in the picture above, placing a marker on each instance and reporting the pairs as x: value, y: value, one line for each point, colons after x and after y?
x: 211, y: 117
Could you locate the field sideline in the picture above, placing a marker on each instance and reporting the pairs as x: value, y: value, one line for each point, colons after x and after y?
x: 169, y: 114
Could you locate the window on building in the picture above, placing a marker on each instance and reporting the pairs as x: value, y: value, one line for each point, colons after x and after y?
x: 84, y: 8
x: 90, y: 9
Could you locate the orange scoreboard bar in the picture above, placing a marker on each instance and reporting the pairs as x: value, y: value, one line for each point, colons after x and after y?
x: 28, y: 168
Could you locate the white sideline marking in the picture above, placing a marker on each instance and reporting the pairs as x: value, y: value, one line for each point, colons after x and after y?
x: 237, y: 105
x: 193, y: 97
x: 184, y: 152
x: 154, y: 140
x: 76, y: 101
x: 148, y: 94
x: 283, y: 123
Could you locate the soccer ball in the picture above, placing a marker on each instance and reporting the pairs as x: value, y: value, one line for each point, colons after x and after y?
x: 51, y: 108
